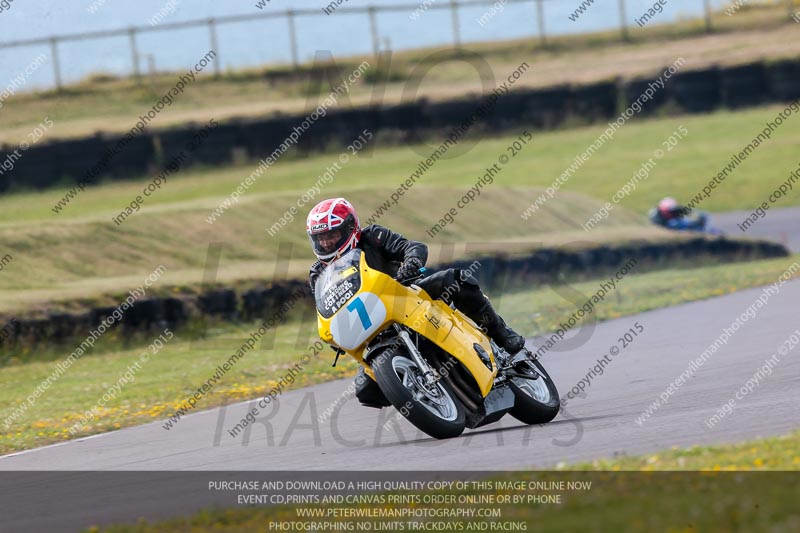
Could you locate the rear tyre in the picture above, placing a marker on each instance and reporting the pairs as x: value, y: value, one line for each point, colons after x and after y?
x: 434, y: 410
x: 535, y: 400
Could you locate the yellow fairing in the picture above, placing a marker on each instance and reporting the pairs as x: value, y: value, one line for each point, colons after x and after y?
x: 387, y: 302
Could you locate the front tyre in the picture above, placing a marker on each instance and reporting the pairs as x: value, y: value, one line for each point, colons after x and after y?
x: 434, y: 410
x: 535, y: 400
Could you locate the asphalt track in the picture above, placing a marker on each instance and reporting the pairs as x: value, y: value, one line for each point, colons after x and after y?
x: 778, y: 224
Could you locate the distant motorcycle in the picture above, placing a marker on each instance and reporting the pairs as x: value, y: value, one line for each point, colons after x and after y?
x: 697, y: 221
x: 433, y: 363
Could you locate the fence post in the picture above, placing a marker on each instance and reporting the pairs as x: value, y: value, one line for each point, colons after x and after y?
x: 134, y: 54
x: 622, y: 21
x: 373, y: 27
x: 151, y: 67
x: 456, y: 28
x: 56, y: 65
x: 540, y: 20
x: 709, y: 27
x: 292, y: 37
x: 212, y: 33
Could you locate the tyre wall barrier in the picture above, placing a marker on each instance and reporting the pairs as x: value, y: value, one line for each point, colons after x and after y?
x: 68, y: 161
x: 744, y: 86
x: 783, y: 80
x: 696, y: 92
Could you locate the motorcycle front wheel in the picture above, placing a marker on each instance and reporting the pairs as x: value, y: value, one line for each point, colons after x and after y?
x: 535, y: 400
x: 433, y: 409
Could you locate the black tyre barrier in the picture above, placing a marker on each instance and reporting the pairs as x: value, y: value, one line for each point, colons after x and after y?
x: 448, y: 114
x: 696, y: 92
x: 744, y: 86
x: 783, y: 79
x: 596, y: 102
x: 261, y: 137
x: 406, y: 117
x: 68, y: 161
x: 547, y: 108
x: 635, y: 89
x: 263, y: 302
x: 219, y: 302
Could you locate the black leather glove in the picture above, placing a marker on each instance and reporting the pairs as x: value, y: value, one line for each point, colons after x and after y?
x: 312, y: 284
x: 409, y: 269
x: 313, y: 275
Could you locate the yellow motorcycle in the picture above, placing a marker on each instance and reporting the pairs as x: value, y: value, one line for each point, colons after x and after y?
x: 433, y: 363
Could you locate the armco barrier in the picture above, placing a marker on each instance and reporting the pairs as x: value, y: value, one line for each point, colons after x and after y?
x: 227, y: 304
x: 66, y: 161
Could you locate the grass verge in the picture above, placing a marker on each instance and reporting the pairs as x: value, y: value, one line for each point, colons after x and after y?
x: 772, y: 453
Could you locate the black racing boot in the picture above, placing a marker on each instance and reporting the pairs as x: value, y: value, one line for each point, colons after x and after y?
x: 498, y: 330
x: 368, y: 392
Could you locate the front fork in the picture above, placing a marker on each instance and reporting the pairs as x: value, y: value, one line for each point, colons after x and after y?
x: 427, y: 372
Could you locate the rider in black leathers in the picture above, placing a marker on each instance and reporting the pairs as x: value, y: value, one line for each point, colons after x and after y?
x: 400, y: 258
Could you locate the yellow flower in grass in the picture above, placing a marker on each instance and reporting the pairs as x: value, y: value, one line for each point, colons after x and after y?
x: 758, y: 462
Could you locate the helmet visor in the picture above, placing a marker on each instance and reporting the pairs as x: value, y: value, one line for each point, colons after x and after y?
x: 326, y: 244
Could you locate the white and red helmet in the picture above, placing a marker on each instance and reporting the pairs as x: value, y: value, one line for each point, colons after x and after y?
x: 668, y: 207
x: 324, y: 221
